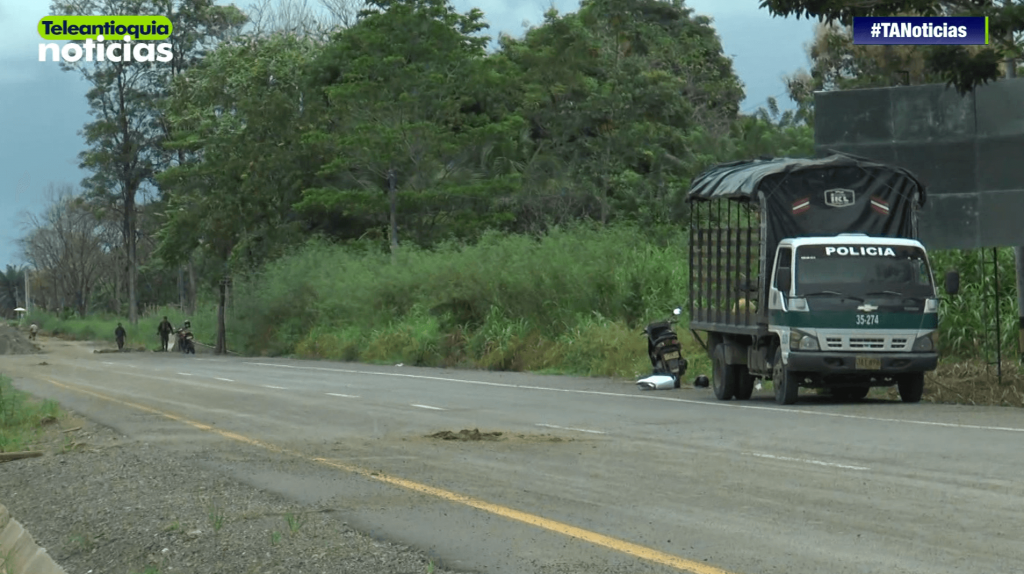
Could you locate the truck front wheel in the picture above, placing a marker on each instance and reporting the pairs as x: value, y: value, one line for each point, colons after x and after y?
x: 725, y: 375
x: 787, y: 387
x: 911, y: 387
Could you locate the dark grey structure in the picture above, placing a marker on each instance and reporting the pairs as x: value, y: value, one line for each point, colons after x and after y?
x: 968, y: 151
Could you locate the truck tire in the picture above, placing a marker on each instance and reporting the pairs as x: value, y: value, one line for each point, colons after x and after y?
x: 787, y: 388
x: 724, y: 376
x: 744, y: 383
x: 911, y: 387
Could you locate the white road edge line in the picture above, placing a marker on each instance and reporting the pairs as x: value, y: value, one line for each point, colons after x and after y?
x: 223, y: 379
x: 185, y: 374
x: 647, y: 397
x: 273, y: 387
x: 570, y: 428
x: 807, y: 461
x: 428, y: 407
x: 344, y: 396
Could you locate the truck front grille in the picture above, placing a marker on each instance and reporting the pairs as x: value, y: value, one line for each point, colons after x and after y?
x: 865, y: 343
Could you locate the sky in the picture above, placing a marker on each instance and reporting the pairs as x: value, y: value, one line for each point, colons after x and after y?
x: 42, y: 109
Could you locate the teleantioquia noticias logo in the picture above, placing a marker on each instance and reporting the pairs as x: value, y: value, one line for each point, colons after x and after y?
x: 95, y: 39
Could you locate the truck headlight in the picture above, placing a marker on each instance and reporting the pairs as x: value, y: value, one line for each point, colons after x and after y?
x: 927, y: 343
x: 802, y: 341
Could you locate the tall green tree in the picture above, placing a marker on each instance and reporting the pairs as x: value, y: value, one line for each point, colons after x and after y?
x: 616, y: 91
x: 241, y: 110
x: 405, y: 121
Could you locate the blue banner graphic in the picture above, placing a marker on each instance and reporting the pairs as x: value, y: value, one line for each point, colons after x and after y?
x: 964, y: 30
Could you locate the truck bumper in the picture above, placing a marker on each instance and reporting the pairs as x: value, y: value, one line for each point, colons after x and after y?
x: 846, y: 363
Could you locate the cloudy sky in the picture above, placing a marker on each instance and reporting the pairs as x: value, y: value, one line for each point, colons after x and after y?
x: 42, y: 108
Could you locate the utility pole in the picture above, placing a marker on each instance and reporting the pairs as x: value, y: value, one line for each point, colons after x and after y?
x: 28, y: 293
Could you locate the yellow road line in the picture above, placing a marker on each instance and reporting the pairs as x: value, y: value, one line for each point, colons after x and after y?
x: 622, y: 546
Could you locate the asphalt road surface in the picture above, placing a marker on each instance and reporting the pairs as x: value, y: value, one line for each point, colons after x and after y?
x: 595, y: 476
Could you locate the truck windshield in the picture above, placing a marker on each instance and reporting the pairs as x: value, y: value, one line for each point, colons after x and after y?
x: 860, y: 270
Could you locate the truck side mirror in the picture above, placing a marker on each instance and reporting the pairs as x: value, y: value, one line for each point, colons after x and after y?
x: 952, y: 282
x: 784, y: 280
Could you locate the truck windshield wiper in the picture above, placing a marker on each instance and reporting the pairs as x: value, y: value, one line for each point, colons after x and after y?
x: 836, y: 293
x: 896, y: 293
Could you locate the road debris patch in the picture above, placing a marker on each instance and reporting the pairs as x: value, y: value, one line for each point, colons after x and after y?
x: 475, y: 435
x: 125, y: 350
x: 467, y: 435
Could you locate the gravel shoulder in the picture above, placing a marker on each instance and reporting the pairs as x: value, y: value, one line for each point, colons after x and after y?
x: 103, y: 503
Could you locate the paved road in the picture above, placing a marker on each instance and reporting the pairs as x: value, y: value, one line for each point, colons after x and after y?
x: 663, y: 481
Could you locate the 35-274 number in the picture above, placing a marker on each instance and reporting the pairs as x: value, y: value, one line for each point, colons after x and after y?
x: 867, y: 319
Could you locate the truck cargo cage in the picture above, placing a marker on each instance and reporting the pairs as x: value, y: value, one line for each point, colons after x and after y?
x: 740, y: 211
x: 725, y: 254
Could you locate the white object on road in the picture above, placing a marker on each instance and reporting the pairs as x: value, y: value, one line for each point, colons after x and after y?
x: 657, y: 382
x: 570, y: 428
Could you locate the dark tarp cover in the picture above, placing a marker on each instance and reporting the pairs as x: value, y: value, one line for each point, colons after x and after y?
x: 837, y: 194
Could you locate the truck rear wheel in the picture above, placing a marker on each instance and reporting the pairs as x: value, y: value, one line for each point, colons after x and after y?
x: 724, y: 376
x: 744, y: 383
x: 911, y: 387
x: 787, y: 387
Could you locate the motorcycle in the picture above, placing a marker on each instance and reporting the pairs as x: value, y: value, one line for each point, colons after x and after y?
x: 664, y: 349
x: 184, y: 341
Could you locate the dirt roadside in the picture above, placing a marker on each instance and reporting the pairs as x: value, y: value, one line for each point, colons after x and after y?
x: 104, y: 503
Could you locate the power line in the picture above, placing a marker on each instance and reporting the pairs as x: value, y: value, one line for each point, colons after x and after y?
x: 762, y: 103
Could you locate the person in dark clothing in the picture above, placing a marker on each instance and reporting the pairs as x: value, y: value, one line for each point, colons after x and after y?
x: 164, y: 330
x: 120, y: 334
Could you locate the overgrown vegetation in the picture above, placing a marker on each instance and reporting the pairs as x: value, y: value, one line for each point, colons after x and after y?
x: 22, y: 417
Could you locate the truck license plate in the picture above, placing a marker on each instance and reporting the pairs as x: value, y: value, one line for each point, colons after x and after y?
x: 868, y: 363
x: 670, y: 356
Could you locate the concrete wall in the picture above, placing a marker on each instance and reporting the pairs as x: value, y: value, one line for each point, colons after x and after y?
x: 19, y: 553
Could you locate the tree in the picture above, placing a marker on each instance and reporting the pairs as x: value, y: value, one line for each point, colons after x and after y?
x: 839, y: 64
x: 402, y: 123
x: 617, y: 91
x: 241, y: 111
x: 963, y: 67
x: 123, y: 141
x: 12, y: 287
x: 65, y: 241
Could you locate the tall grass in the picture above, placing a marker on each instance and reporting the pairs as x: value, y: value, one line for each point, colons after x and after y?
x: 21, y: 417
x: 571, y: 301
x: 968, y: 321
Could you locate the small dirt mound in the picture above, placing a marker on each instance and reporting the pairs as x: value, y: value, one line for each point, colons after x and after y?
x: 14, y: 342
x: 466, y: 435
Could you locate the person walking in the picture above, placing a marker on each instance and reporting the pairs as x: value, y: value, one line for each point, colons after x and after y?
x: 119, y: 335
x: 164, y: 330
